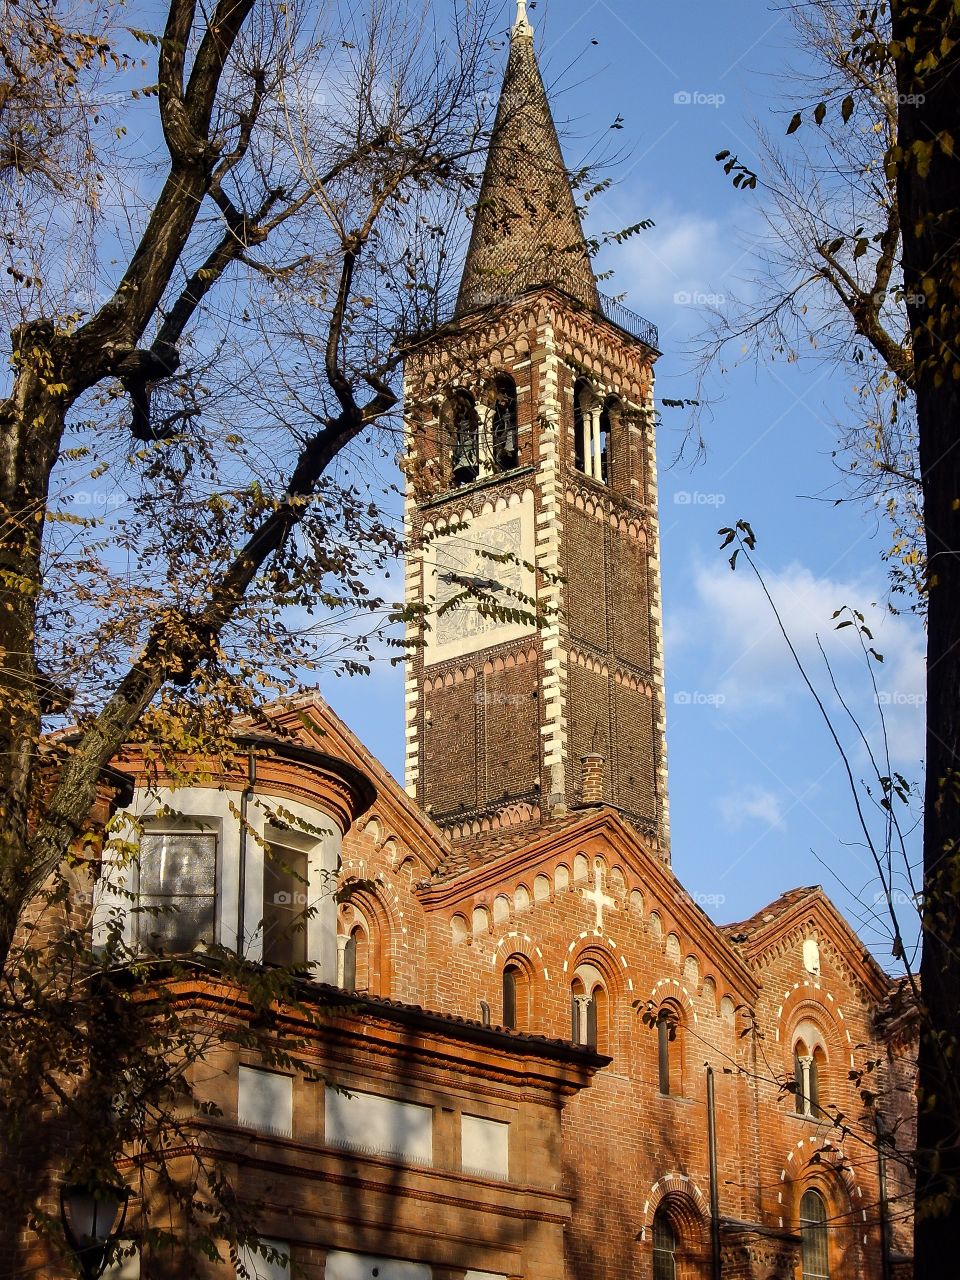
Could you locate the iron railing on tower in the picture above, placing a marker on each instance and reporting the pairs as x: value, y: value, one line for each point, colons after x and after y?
x: 612, y: 309
x: 637, y: 326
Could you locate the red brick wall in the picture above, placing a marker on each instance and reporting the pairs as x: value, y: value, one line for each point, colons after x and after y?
x: 511, y: 731
x: 450, y: 745
x: 625, y: 1145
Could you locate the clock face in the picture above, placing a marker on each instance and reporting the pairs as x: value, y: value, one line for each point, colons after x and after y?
x: 480, y: 581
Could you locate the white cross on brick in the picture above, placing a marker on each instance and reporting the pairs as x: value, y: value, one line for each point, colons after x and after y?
x: 596, y: 895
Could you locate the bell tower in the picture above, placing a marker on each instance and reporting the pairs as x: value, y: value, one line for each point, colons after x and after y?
x: 535, y: 674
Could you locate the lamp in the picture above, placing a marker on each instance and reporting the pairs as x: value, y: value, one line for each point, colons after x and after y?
x: 92, y: 1219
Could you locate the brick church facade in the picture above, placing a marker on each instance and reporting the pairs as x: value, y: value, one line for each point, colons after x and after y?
x: 539, y: 1059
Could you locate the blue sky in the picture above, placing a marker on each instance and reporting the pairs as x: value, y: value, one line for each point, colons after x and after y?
x: 758, y: 796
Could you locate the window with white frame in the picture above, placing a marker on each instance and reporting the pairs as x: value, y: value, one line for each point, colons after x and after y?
x: 265, y: 1101
x: 385, y: 1126
x: 177, y: 889
x: 484, y: 1146
x: 270, y: 1262
x: 127, y: 1265
x: 341, y: 1265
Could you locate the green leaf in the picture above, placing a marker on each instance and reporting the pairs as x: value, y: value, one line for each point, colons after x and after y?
x: 794, y: 124
x: 846, y: 108
x: 819, y: 111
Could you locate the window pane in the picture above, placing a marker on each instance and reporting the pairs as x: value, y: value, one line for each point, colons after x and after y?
x: 813, y: 1237
x: 178, y: 871
x: 350, y: 964
x: 177, y: 862
x: 191, y: 923
x: 664, y: 1248
x: 592, y: 1022
x: 509, y: 997
x: 285, y: 891
x: 663, y: 1053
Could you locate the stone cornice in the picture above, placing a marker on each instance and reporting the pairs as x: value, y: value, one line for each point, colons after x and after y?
x: 372, y: 1024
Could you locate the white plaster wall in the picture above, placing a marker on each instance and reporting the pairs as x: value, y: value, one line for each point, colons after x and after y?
x: 484, y: 1145
x: 213, y: 807
x: 364, y: 1266
x: 259, y: 1268
x: 265, y: 1100
x: 383, y: 1124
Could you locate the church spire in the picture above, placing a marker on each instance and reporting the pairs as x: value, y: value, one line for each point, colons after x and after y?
x: 522, y: 25
x: 526, y: 229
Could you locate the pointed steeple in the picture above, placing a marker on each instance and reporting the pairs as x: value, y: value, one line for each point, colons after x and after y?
x: 526, y: 229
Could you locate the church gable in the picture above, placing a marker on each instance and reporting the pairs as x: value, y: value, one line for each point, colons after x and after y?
x: 803, y: 929
x: 589, y: 882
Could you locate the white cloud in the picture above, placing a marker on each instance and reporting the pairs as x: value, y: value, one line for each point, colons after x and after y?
x: 684, y: 265
x: 729, y: 630
x: 753, y: 804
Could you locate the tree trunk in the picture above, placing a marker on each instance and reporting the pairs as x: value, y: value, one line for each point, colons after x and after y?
x: 929, y: 196
x: 31, y: 429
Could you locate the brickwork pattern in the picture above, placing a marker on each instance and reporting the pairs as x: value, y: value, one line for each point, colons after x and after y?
x: 625, y: 1146
x: 526, y: 230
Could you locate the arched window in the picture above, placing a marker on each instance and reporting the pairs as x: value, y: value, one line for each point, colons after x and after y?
x: 583, y: 400
x: 363, y: 958
x: 504, y: 440
x: 664, y: 1247
x: 670, y: 1049
x: 465, y: 433
x: 813, y: 1237
x: 349, y: 978
x: 609, y: 418
x: 809, y: 1061
x: 510, y: 996
x: 589, y: 1008
x: 516, y: 994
